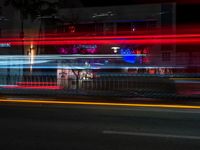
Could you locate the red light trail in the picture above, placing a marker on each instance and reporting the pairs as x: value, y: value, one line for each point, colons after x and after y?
x: 36, y: 83
x: 109, y: 41
x: 35, y: 87
x: 105, y: 37
x: 137, y: 39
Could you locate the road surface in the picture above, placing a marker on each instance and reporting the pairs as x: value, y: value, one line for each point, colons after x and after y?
x: 39, y: 126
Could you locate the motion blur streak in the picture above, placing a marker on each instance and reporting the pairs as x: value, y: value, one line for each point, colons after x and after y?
x: 36, y: 83
x: 136, y: 39
x: 104, y: 37
x: 100, y: 104
x: 118, y: 41
x: 34, y: 87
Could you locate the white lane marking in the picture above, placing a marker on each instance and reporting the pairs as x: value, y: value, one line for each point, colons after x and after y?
x: 151, y: 135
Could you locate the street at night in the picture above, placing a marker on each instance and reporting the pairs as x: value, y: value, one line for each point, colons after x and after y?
x: 99, y: 75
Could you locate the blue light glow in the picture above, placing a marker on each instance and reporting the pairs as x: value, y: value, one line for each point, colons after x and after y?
x: 128, y: 55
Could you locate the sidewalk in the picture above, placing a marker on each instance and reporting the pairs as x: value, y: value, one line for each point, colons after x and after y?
x: 64, y: 93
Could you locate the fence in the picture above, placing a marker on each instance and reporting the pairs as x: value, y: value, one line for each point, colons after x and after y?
x: 145, y: 86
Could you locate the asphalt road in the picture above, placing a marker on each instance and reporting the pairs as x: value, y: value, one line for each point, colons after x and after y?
x: 83, y: 127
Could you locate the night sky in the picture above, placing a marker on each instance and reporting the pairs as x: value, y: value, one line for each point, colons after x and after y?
x: 188, y: 13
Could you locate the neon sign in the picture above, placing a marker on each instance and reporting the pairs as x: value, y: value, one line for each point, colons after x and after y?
x: 128, y: 55
x: 135, y: 56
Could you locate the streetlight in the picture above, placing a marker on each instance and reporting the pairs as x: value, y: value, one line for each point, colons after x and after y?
x: 31, y: 54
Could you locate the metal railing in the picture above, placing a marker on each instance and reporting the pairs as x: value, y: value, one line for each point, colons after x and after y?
x: 143, y: 86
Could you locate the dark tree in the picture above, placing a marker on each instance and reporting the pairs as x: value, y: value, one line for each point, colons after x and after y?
x: 32, y: 9
x: 23, y: 7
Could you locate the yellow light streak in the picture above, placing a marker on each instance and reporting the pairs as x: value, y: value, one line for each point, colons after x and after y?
x: 100, y: 104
